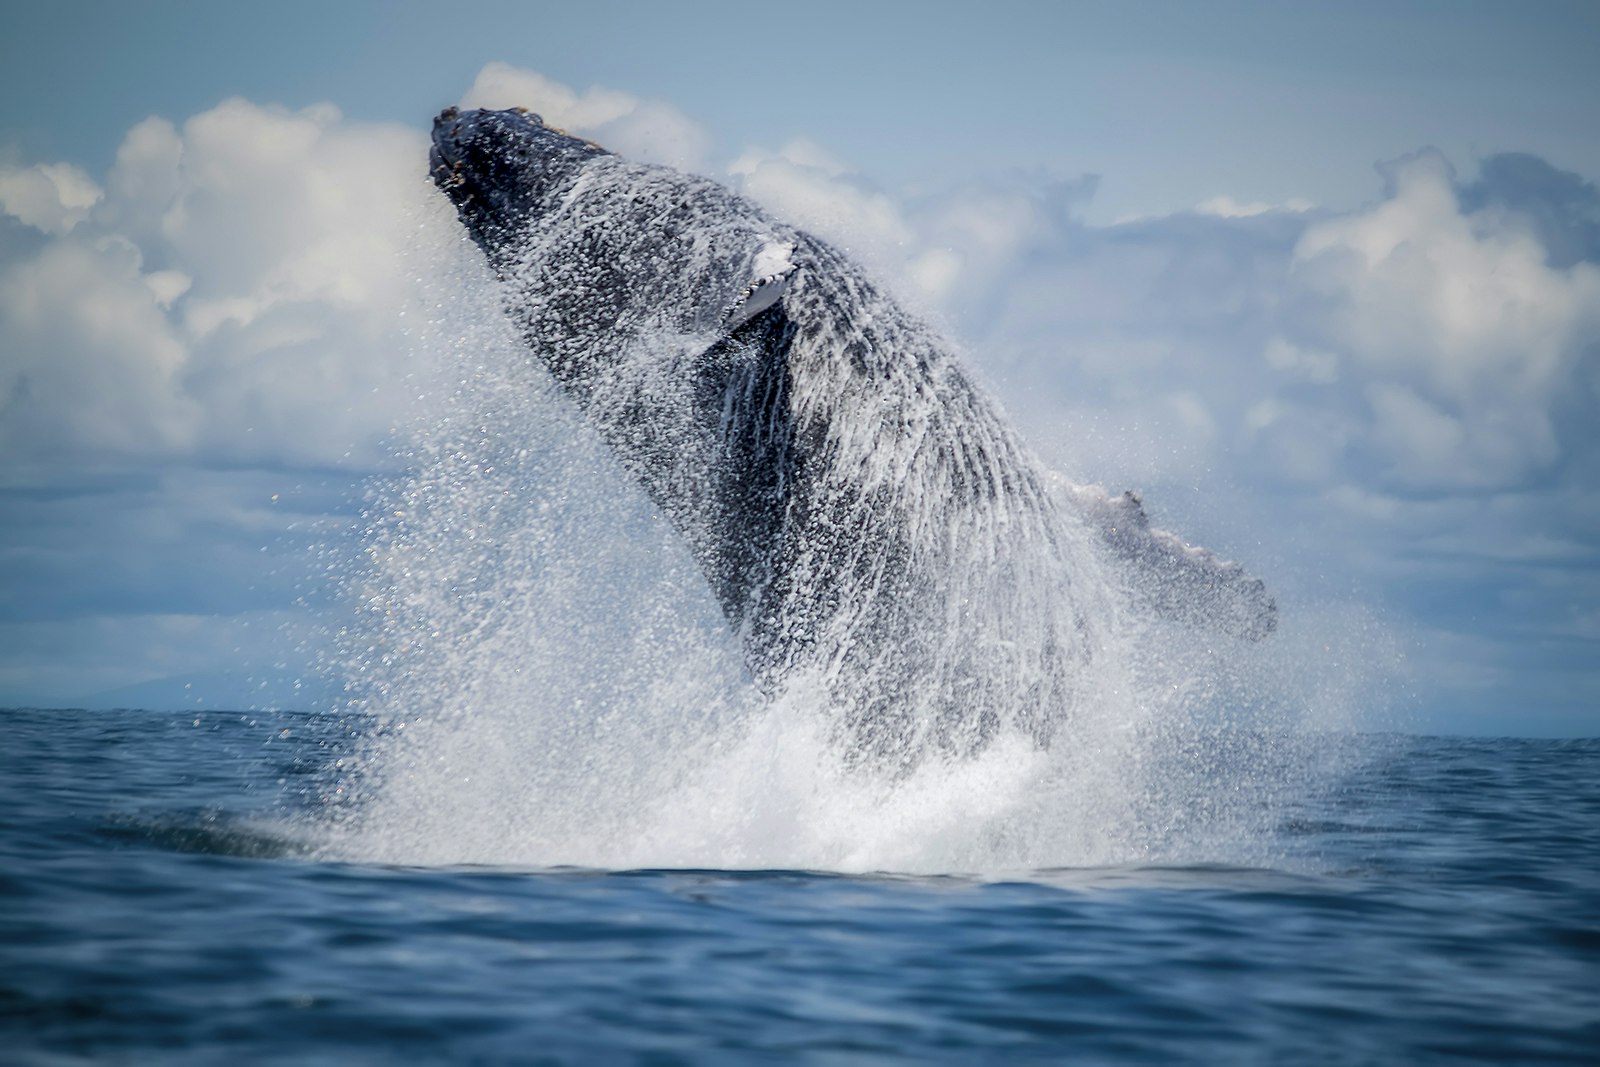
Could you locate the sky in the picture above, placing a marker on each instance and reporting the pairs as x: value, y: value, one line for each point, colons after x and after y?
x: 1323, y: 281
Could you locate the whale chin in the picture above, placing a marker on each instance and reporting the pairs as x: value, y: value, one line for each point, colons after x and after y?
x: 500, y: 168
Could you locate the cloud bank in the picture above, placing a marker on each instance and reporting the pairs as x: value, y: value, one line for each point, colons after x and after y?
x: 229, y: 294
x: 1392, y: 403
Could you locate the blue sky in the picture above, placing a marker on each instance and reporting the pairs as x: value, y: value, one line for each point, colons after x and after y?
x: 1323, y: 281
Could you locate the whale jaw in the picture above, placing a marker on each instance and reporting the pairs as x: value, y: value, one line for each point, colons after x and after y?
x: 500, y: 168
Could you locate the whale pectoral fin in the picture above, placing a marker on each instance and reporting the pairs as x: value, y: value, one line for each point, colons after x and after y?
x: 1179, y: 581
x: 773, y: 268
x: 755, y: 298
x: 1196, y: 586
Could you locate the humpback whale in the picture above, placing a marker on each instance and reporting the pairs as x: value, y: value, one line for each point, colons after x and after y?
x: 872, y: 528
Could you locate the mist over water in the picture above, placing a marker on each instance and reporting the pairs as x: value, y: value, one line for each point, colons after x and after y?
x: 555, y: 685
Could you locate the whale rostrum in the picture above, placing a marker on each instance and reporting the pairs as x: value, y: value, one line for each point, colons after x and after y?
x: 869, y: 523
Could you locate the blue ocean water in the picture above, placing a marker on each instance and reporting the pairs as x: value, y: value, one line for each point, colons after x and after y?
x: 163, y: 899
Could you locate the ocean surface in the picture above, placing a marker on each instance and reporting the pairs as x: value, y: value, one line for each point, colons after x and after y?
x: 167, y: 896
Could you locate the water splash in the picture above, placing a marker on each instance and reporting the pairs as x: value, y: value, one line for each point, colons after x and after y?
x: 556, y: 684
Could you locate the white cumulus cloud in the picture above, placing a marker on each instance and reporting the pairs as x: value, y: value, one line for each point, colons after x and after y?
x: 235, y: 292
x: 650, y: 130
x: 1464, y: 334
x: 52, y: 197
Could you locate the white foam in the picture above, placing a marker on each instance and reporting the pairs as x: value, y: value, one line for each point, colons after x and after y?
x: 559, y: 687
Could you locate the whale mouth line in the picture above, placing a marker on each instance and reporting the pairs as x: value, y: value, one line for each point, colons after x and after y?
x: 503, y: 169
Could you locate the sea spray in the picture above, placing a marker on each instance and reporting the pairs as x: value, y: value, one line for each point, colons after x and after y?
x: 555, y: 683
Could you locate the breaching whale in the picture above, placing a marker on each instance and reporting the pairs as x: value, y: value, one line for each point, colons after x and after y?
x: 869, y: 523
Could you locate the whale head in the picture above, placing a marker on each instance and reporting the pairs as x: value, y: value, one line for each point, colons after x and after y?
x: 501, y: 168
x: 617, y: 241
